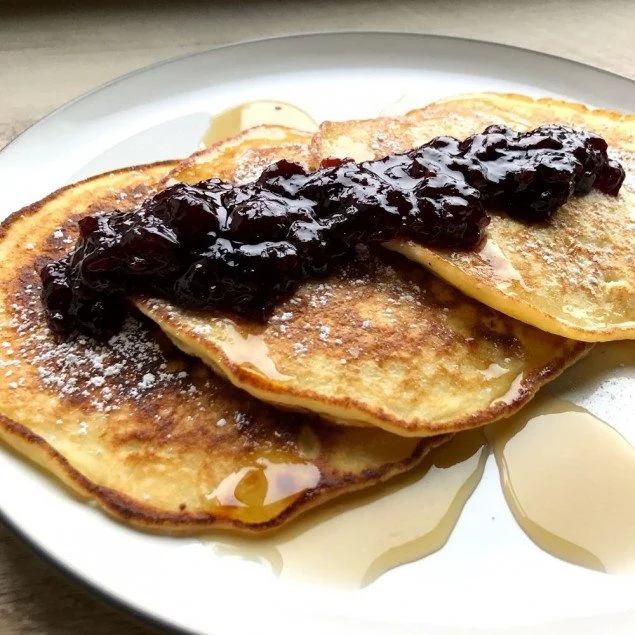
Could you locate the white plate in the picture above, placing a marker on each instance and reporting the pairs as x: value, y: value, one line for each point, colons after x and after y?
x: 490, y: 575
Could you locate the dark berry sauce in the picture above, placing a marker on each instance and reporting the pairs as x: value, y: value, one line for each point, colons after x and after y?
x: 242, y: 247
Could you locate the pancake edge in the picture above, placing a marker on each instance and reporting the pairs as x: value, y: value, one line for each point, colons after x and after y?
x: 346, y: 409
x: 516, y: 308
x: 24, y: 442
x: 615, y: 115
x: 231, y: 142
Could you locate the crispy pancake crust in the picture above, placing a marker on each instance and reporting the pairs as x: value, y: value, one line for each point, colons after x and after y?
x: 573, y: 276
x: 153, y: 436
x: 379, y: 343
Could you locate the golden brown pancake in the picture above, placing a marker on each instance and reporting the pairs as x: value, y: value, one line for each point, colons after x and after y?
x: 152, y: 435
x: 574, y: 275
x: 381, y: 342
x: 244, y: 156
x: 363, y: 139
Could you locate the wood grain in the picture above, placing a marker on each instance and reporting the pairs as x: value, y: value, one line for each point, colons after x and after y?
x: 51, y: 53
x: 36, y: 598
x: 50, y: 56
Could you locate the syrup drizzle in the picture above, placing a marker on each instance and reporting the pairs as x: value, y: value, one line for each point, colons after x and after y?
x: 574, y: 501
x: 250, y: 350
x: 245, y: 350
x: 502, y: 268
x: 513, y: 393
x: 264, y: 484
x: 568, y: 478
x: 352, y: 542
x: 237, y: 119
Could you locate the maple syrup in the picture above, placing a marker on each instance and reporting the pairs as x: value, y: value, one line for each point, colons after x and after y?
x: 569, y: 478
x: 503, y: 271
x: 250, y: 350
x: 265, y: 483
x: 354, y: 541
x: 237, y: 119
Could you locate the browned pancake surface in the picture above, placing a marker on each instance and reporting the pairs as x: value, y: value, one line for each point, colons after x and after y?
x: 150, y: 434
x: 379, y: 343
x: 573, y: 276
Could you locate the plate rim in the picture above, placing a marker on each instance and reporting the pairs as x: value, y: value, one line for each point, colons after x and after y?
x: 120, y: 603
x: 309, y: 34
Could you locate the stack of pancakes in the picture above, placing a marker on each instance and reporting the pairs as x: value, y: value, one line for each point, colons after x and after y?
x: 198, y: 419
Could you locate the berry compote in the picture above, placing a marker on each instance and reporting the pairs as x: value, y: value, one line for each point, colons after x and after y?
x: 242, y: 247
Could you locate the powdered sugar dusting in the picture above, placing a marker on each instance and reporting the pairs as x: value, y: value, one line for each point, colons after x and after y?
x: 128, y: 366
x: 136, y: 368
x: 332, y: 313
x: 250, y: 163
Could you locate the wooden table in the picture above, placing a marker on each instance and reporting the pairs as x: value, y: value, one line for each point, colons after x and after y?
x: 49, y: 55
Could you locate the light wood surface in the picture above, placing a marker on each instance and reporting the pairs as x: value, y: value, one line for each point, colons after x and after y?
x: 50, y: 54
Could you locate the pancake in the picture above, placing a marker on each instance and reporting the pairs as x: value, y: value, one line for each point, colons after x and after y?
x: 244, y: 156
x: 147, y: 433
x: 380, y: 343
x: 363, y: 139
x: 573, y: 276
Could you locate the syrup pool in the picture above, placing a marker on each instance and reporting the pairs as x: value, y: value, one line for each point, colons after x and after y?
x: 352, y: 542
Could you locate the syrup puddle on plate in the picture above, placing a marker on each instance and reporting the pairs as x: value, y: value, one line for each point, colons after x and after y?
x: 569, y: 478
x: 352, y: 542
x: 235, y: 120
